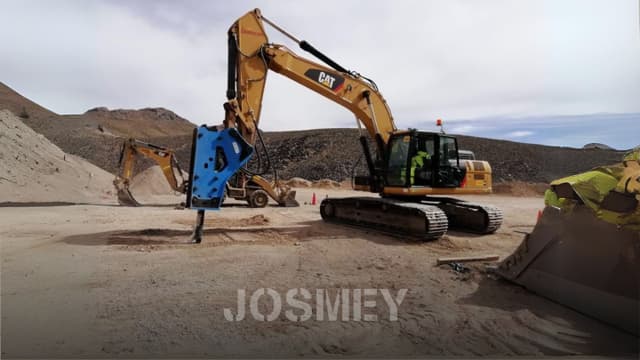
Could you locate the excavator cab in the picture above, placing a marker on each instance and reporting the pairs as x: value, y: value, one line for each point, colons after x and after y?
x: 423, y: 159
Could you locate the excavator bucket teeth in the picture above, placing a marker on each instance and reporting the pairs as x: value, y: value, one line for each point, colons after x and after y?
x: 125, y: 198
x: 582, y: 262
x: 288, y: 199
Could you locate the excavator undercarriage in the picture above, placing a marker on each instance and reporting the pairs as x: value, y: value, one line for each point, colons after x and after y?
x: 427, y: 219
x: 414, y: 220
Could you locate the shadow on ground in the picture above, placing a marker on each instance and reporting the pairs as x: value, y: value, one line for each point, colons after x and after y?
x: 252, y: 233
x: 568, y: 328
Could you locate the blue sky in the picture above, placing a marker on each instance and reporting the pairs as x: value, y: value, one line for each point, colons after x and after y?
x: 621, y: 131
x: 559, y: 72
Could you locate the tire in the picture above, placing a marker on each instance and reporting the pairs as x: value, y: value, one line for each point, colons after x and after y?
x: 258, y: 199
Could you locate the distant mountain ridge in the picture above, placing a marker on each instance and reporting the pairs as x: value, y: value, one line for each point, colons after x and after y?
x: 97, y: 135
x: 597, y: 146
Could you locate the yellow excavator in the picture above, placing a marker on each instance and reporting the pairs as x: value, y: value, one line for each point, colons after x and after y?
x: 131, y: 150
x: 584, y: 252
x: 407, y: 167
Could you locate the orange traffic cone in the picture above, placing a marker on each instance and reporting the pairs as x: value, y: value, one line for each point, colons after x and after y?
x: 313, y: 199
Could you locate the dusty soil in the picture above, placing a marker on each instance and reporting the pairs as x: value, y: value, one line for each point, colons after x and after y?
x: 105, y: 281
x: 32, y: 169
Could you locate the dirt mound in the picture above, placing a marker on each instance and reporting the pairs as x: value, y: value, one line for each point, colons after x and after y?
x: 326, y: 184
x: 297, y: 182
x: 32, y: 169
x: 520, y: 188
x: 151, y: 182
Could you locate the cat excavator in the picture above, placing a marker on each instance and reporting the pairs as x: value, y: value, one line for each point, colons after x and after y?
x: 408, y: 168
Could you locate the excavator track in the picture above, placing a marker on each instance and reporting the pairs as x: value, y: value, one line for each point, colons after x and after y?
x: 425, y: 220
x: 420, y: 221
x: 468, y: 217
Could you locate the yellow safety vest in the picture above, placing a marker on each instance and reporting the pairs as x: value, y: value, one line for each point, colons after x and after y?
x: 418, y: 161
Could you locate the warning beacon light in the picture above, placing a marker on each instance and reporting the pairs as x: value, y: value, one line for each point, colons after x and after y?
x: 439, y: 124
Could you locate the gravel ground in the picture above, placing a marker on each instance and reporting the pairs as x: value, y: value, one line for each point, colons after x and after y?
x: 106, y: 281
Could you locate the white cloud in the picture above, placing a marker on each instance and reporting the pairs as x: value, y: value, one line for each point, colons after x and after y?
x: 431, y: 59
x: 519, y: 134
x: 462, y: 129
x: 72, y: 56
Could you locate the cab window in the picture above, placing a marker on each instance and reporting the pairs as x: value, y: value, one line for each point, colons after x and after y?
x: 397, y: 166
x: 448, y: 151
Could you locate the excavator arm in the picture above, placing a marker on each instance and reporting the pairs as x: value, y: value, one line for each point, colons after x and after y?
x: 251, y: 56
x: 164, y: 157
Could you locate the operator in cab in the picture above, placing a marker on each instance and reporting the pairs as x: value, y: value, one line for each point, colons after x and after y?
x: 420, y: 172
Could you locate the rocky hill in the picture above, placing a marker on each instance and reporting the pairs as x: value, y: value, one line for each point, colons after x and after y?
x: 26, y: 109
x: 597, y: 146
x: 332, y: 153
x: 97, y: 136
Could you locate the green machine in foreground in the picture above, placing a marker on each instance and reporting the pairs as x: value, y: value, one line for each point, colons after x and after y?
x: 584, y: 252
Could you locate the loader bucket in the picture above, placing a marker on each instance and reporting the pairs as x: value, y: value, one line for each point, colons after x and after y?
x: 582, y: 262
x: 288, y: 199
x: 125, y: 198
